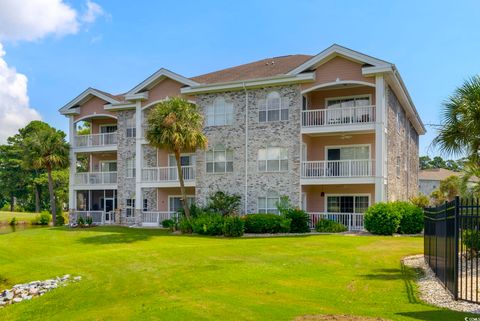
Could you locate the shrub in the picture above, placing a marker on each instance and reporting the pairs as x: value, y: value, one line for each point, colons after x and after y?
x: 185, y: 226
x: 224, y: 203
x: 168, y: 223
x: 89, y: 220
x: 381, y: 219
x: 233, y: 226
x: 329, y: 226
x: 266, y: 223
x: 13, y: 221
x: 194, y: 211
x: 421, y: 200
x: 471, y: 240
x: 43, y: 219
x: 411, y: 217
x: 60, y: 220
x: 300, y: 220
x: 80, y: 221
x: 208, y: 224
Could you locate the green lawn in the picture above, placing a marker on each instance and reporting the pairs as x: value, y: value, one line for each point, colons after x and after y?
x: 20, y: 216
x: 134, y: 274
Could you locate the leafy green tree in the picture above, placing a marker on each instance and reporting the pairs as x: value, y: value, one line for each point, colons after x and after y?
x: 45, y: 149
x: 459, y: 131
x: 224, y: 203
x: 13, y: 181
x: 176, y: 125
x: 448, y: 189
x: 425, y: 162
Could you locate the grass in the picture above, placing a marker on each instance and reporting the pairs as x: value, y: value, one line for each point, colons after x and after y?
x: 134, y: 274
x: 6, y: 217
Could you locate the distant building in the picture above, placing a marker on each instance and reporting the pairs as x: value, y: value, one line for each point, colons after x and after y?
x: 429, y: 179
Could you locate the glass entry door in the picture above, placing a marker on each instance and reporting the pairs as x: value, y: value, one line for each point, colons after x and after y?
x: 347, y: 204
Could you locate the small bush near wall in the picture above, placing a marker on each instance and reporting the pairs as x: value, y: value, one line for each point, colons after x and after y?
x: 168, y: 224
x: 185, y: 226
x: 329, y: 226
x: 266, y: 223
x: 381, y: 219
x: 300, y: 220
x: 420, y: 201
x: 233, y: 226
x: 411, y: 217
x: 208, y: 224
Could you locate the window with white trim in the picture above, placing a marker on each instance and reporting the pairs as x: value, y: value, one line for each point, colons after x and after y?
x: 268, y: 203
x: 219, y: 113
x: 131, y: 172
x: 145, y: 204
x: 175, y: 203
x: 347, y: 203
x: 130, y: 207
x: 348, y: 102
x: 131, y: 127
x: 273, y: 108
x: 273, y: 159
x: 219, y: 160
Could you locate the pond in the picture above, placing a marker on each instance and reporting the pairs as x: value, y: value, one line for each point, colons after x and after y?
x: 4, y: 229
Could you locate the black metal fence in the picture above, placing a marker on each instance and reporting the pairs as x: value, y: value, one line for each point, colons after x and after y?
x: 451, y: 246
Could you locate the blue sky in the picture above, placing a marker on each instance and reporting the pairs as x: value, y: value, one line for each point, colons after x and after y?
x: 434, y: 44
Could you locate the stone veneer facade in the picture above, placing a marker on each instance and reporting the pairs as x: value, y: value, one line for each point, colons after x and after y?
x: 402, y: 142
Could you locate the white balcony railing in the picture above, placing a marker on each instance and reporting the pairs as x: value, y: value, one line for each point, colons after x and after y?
x: 338, y: 168
x: 156, y: 218
x: 338, y: 116
x: 95, y: 140
x: 352, y: 221
x: 98, y: 217
x: 96, y: 178
x: 167, y: 174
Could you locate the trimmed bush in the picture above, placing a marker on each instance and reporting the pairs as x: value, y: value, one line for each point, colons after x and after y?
x: 80, y: 221
x: 411, y: 217
x: 266, y: 223
x: 300, y: 220
x: 208, y: 224
x: 471, y: 240
x: 329, y: 226
x: 381, y: 219
x: 185, y: 226
x: 233, y: 226
x: 89, y: 220
x: 168, y: 223
x: 60, y: 220
x: 43, y: 219
x: 224, y: 203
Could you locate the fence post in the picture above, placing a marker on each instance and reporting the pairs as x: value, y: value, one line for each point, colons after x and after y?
x: 455, y: 250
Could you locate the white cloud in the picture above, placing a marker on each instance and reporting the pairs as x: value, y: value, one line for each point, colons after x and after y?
x: 93, y: 12
x: 15, y: 111
x: 34, y: 19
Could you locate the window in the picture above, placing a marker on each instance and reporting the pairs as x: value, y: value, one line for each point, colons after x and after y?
x: 398, y: 165
x: 348, y: 153
x: 108, y: 166
x: 130, y: 207
x: 108, y: 129
x: 131, y: 132
x: 219, y: 113
x: 130, y: 168
x: 273, y: 109
x: 273, y: 159
x: 400, y: 117
x: 145, y: 204
x: 175, y: 202
x: 268, y: 204
x: 219, y: 160
x: 348, y: 102
x: 347, y: 204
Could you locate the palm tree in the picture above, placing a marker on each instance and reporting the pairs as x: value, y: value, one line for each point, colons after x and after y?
x: 46, y: 149
x: 459, y: 132
x: 176, y: 125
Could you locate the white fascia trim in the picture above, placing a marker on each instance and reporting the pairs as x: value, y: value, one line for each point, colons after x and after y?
x: 119, y: 106
x: 83, y: 95
x: 270, y: 81
x: 371, y: 71
x: 162, y: 72
x: 341, y: 51
x: 137, y: 96
x: 341, y: 82
x: 71, y: 111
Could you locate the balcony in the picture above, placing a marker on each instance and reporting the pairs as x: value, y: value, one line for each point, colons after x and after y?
x: 168, y: 176
x: 102, y: 141
x: 360, y: 118
x: 338, y: 171
x: 99, y: 179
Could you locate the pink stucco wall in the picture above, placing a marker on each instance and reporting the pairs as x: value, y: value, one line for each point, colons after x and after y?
x: 316, y: 144
x: 316, y: 203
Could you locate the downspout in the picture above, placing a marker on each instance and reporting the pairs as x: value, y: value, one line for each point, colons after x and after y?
x: 246, y: 149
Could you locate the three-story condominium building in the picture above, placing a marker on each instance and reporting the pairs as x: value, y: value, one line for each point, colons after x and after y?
x: 334, y: 132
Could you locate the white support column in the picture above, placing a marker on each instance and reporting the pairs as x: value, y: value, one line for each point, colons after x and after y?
x: 380, y: 140
x: 138, y: 155
x: 73, y: 161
